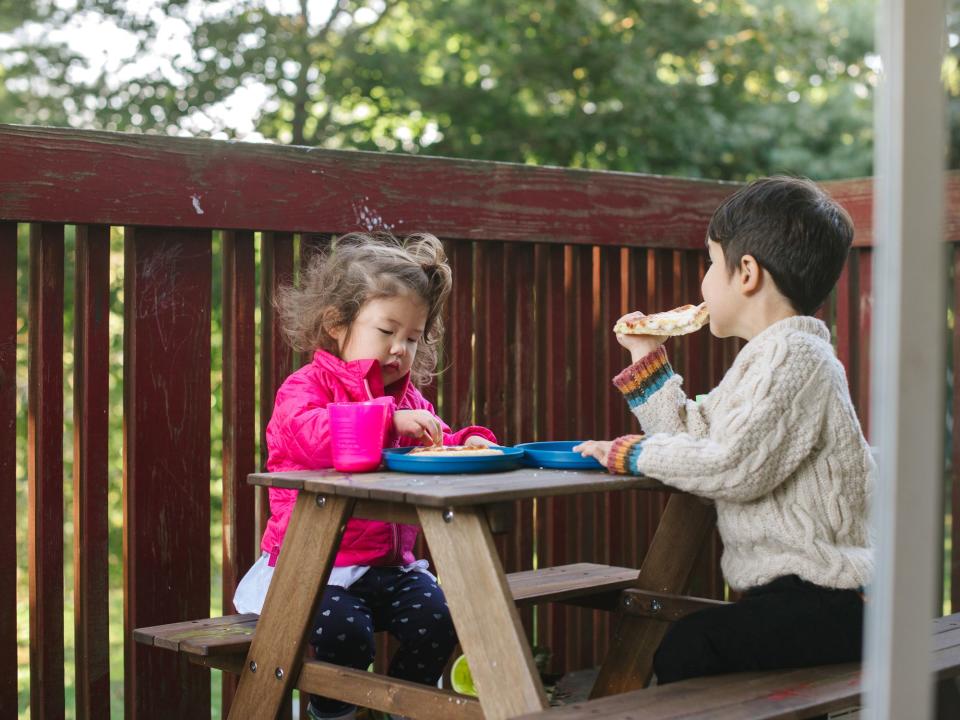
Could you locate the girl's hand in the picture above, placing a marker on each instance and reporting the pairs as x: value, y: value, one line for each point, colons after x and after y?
x: 477, y: 441
x: 598, y: 449
x: 418, y: 424
x: 639, y: 345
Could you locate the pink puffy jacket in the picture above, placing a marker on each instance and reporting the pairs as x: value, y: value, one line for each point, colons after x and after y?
x: 298, y: 438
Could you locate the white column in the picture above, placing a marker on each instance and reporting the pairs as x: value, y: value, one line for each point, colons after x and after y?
x: 907, y: 395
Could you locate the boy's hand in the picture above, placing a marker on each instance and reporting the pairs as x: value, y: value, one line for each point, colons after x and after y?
x: 477, y: 441
x: 418, y: 424
x: 639, y: 345
x: 598, y: 449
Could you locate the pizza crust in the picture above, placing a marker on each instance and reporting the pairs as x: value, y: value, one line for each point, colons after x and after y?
x: 451, y: 451
x: 679, y: 321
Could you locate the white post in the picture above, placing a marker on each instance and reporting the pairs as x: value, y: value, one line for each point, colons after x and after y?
x: 907, y: 396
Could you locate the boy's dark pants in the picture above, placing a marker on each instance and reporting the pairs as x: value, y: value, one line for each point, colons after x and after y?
x: 785, y: 623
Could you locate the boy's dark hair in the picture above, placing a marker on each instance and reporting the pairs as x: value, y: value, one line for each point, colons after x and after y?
x: 794, y: 230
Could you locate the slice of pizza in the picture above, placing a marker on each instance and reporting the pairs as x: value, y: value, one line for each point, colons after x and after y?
x: 452, y: 451
x: 679, y: 321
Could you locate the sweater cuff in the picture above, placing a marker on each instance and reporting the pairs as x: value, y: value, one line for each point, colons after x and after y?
x: 642, y: 379
x: 624, y: 453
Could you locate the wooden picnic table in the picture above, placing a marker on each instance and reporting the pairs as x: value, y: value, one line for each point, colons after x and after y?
x: 458, y: 514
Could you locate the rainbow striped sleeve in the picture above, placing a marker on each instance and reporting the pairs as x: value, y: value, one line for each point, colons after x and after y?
x: 642, y: 379
x: 623, y: 455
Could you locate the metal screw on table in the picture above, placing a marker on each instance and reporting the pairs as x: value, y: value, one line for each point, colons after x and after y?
x: 253, y: 666
x: 655, y: 606
x: 628, y: 601
x: 448, y: 515
x: 321, y: 500
x: 279, y: 673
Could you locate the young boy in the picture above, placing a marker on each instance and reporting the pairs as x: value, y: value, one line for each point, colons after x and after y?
x: 776, y: 444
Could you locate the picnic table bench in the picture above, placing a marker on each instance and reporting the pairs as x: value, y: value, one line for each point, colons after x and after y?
x: 458, y: 515
x: 789, y: 693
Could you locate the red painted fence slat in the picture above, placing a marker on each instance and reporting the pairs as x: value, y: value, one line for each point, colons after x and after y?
x: 552, y: 416
x: 239, y: 541
x: 167, y: 280
x: 276, y: 357
x: 239, y: 370
x: 611, y: 403
x: 45, y: 471
x: 90, y: 474
x: 519, y: 392
x: 491, y: 352
x: 8, y: 468
x: 491, y: 338
x: 584, y: 507
x: 458, y: 338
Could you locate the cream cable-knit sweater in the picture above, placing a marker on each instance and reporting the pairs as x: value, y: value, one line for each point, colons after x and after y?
x: 778, y: 447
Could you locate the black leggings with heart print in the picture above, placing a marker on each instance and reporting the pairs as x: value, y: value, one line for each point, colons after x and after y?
x: 409, y: 605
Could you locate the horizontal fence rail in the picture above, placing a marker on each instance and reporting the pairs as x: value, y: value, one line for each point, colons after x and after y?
x: 544, y: 261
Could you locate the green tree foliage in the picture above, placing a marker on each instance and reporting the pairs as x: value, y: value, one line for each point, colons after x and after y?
x: 712, y: 88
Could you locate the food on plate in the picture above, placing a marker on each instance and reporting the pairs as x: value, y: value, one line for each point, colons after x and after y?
x: 679, y: 321
x: 449, y: 451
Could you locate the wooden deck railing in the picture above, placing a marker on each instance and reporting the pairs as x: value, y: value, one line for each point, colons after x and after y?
x: 544, y: 261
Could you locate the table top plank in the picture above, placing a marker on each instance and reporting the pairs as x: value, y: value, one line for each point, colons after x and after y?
x: 453, y: 490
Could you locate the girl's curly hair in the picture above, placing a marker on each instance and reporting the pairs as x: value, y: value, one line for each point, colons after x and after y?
x: 360, y: 267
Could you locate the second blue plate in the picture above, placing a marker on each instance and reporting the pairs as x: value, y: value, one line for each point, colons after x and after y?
x: 557, y: 454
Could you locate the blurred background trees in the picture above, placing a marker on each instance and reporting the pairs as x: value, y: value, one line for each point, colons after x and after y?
x: 703, y: 88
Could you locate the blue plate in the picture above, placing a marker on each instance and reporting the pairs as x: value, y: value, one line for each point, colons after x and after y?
x: 399, y: 460
x: 558, y: 454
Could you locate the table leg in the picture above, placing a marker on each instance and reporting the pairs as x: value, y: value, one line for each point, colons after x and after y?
x: 276, y: 654
x: 483, y: 611
x: 683, y: 529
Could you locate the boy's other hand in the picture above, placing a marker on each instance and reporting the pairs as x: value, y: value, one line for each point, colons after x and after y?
x: 597, y: 449
x: 639, y: 345
x: 418, y: 424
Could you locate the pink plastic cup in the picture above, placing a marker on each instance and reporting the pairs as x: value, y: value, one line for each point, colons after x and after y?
x: 357, y: 432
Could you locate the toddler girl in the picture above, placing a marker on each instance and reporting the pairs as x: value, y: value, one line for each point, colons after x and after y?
x: 370, y: 311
